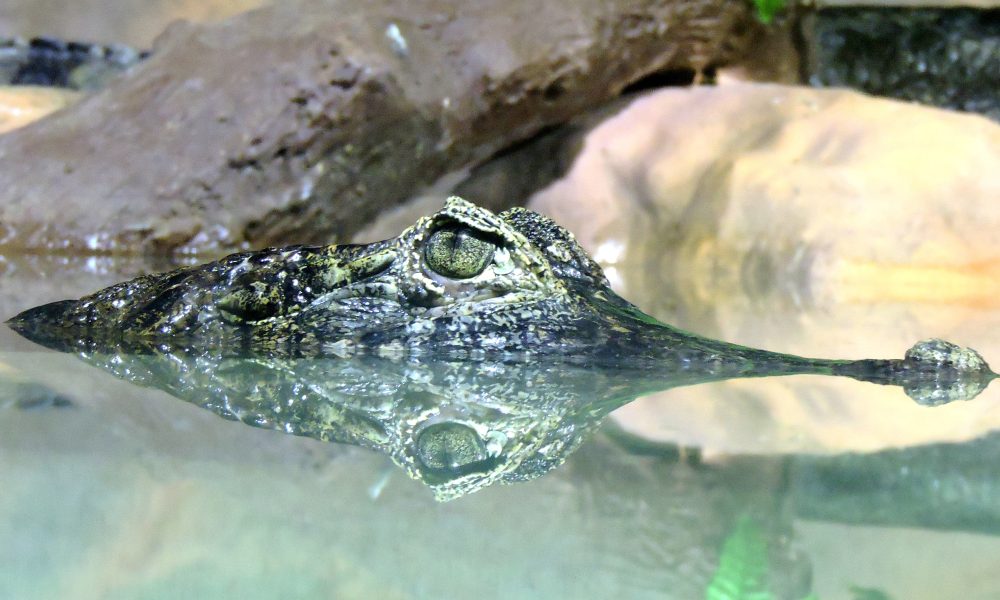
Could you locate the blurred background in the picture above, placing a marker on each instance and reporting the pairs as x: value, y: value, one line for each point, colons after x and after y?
x: 817, y: 178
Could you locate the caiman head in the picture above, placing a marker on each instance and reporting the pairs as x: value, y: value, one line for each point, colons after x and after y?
x: 461, y: 281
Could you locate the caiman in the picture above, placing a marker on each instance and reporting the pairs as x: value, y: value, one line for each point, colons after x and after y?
x: 473, y: 348
x: 461, y: 284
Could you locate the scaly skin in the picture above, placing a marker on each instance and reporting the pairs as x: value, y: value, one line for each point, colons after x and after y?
x: 518, y: 287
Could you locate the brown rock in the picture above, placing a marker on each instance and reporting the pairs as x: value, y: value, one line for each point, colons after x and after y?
x: 132, y: 22
x: 298, y: 122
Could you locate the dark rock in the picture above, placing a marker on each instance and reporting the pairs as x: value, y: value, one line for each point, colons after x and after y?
x: 299, y: 122
x: 941, y: 57
x: 55, y: 63
x: 513, y: 175
x: 936, y: 486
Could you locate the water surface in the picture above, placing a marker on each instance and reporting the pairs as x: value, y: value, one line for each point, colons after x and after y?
x: 793, y: 486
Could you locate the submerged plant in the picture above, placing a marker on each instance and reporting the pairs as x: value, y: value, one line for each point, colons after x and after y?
x: 866, y: 593
x: 743, y: 565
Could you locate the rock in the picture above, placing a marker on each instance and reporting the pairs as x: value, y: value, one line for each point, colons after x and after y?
x: 298, y: 122
x: 24, y: 104
x: 132, y: 22
x: 817, y: 197
x: 815, y: 222
x: 984, y: 4
x: 941, y: 57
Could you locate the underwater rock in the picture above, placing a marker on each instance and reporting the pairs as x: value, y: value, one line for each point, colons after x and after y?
x: 946, y: 486
x: 298, y: 122
x: 18, y: 392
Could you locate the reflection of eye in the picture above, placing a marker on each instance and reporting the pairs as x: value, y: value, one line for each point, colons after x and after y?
x: 450, y: 448
x: 254, y: 303
x: 458, y: 253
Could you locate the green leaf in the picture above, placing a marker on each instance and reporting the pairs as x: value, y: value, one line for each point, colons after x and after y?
x: 767, y: 9
x: 743, y: 566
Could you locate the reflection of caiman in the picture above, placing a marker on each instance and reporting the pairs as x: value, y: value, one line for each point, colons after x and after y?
x: 461, y: 284
x: 455, y: 425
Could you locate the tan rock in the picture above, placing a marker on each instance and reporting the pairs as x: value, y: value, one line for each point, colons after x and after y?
x: 817, y: 222
x: 23, y: 104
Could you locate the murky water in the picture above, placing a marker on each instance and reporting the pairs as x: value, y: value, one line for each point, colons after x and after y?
x: 787, y: 488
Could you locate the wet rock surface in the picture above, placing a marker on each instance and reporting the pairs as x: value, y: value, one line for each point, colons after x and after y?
x: 202, y: 148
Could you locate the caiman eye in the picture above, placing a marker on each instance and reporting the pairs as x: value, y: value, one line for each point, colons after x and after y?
x: 256, y: 302
x: 458, y: 252
x: 450, y: 448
